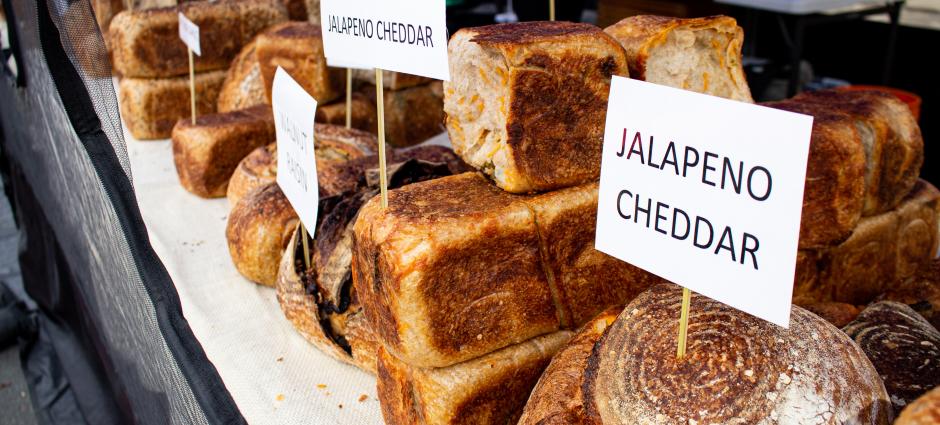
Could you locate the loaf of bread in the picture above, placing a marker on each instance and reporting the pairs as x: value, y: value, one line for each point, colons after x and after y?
x: 527, y: 102
x: 104, y: 12
x: 923, y: 411
x: 243, y: 86
x: 903, y: 346
x: 881, y: 252
x: 298, y: 48
x: 259, y: 229
x: 920, y: 292
x: 845, y: 173
x: 491, y: 389
x: 151, y: 107
x: 332, y: 145
x: 321, y: 301
x: 456, y: 268
x: 206, y: 153
x: 391, y: 80
x: 557, y: 397
x: 738, y: 369
x: 146, y: 43
x: 839, y: 314
x: 700, y: 54
x: 412, y: 115
x: 363, y: 113
x: 313, y: 11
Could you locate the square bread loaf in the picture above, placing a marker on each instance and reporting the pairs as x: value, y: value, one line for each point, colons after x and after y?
x: 298, y: 48
x: 391, y: 80
x: 527, y: 102
x: 363, y: 113
x: 151, y: 107
x: 456, y: 268
x: 413, y: 114
x: 700, y: 54
x: 207, y: 153
x: 146, y: 43
x: 243, y: 86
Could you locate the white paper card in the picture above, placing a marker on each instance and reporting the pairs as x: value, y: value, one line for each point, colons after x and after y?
x: 705, y: 192
x: 189, y: 33
x: 404, y: 36
x: 294, y: 111
x: 341, y: 63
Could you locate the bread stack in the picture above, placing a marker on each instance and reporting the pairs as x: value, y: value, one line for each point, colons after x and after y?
x: 154, y: 65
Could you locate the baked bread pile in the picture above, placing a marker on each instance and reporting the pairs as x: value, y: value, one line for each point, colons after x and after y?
x: 153, y: 64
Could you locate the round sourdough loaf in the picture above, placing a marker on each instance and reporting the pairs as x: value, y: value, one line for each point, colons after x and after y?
x: 738, y: 370
x: 258, y: 230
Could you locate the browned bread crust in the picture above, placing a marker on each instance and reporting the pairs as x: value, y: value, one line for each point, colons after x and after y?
x: 412, y: 115
x: 146, y: 43
x: 839, y: 314
x: 739, y: 369
x: 459, y: 247
x: 243, y: 86
x: 527, y: 101
x: 705, y: 44
x: 259, y: 229
x: 363, y: 113
x: 923, y: 411
x: 920, y: 292
x: 557, y: 398
x: 255, y: 170
x: 903, y: 346
x: 208, y: 152
x: 491, y: 389
x: 882, y: 251
x: 151, y: 107
x: 298, y: 48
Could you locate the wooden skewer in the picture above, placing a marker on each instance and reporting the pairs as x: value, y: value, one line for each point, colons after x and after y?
x: 684, y: 322
x: 380, y: 105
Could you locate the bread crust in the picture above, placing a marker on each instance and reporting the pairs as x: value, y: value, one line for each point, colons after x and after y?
x: 298, y: 48
x: 259, y: 229
x: 146, y: 42
x: 207, y: 153
x: 924, y: 411
x: 412, y: 115
x: 539, y: 124
x: 491, y: 389
x: 739, y: 369
x: 243, y: 86
x: 920, y: 292
x: 151, y: 107
x: 363, y: 113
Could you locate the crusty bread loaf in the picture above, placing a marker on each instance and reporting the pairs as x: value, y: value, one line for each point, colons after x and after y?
x: 491, y: 389
x: 243, y: 86
x: 920, y: 292
x: 412, y: 115
x: 151, y: 107
x: 700, y: 54
x: 456, y: 268
x: 332, y: 145
x: 557, y: 398
x: 847, y: 173
x: 363, y: 113
x: 923, y: 411
x: 882, y: 251
x: 738, y: 369
x: 146, y: 43
x: 391, y: 80
x: 839, y: 314
x: 259, y: 229
x: 298, y: 48
x: 903, y: 346
x: 313, y: 11
x: 206, y: 153
x: 526, y: 103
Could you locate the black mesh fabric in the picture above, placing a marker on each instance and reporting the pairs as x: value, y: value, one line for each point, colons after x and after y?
x: 96, y: 279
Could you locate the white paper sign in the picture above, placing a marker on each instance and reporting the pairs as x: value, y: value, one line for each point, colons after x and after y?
x: 404, y: 36
x: 705, y: 192
x: 189, y: 33
x: 294, y: 111
x: 341, y: 63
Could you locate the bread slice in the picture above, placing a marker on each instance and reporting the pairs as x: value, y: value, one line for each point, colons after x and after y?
x: 412, y: 115
x: 259, y: 229
x: 491, y: 389
x: 151, y: 107
x: 298, y: 48
x: 146, y: 43
x: 243, y: 86
x: 391, y: 80
x: 700, y: 54
x: 526, y: 103
x: 206, y: 153
x: 333, y: 145
x: 363, y: 113
x: 882, y: 251
x: 456, y: 268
